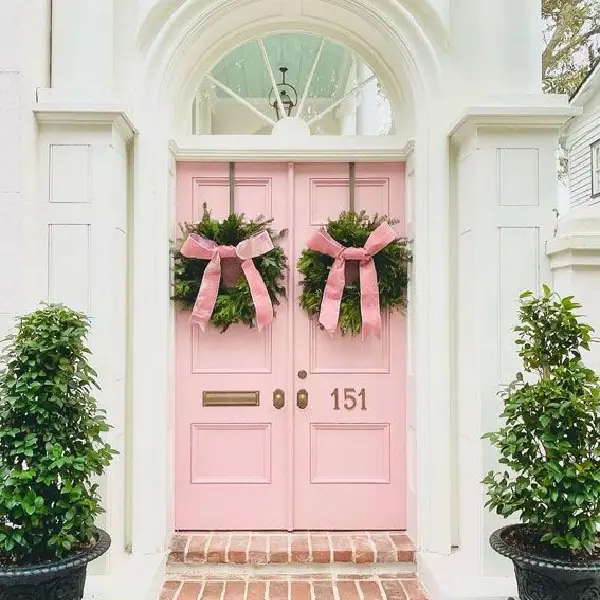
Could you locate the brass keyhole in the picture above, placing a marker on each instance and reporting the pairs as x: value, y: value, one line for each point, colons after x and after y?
x: 302, y: 399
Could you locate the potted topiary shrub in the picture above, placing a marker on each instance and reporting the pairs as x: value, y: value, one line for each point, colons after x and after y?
x: 51, y: 447
x: 550, y: 450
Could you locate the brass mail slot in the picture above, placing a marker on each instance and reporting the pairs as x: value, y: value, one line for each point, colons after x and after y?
x: 230, y: 398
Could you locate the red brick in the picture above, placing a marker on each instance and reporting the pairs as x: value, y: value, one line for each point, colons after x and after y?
x: 234, y: 590
x: 363, y: 549
x: 257, y: 553
x: 213, y: 590
x: 217, y: 548
x: 320, y: 550
x: 196, y: 551
x: 238, y: 549
x: 342, y: 549
x: 404, y: 547
x: 278, y: 590
x: 413, y: 589
x: 190, y: 591
x: 257, y: 590
x: 323, y: 590
x: 177, y: 548
x: 300, y: 591
x: 347, y: 590
x: 370, y: 590
x: 300, y: 548
x: 169, y: 590
x: 393, y: 589
x: 386, y: 551
x: 278, y: 549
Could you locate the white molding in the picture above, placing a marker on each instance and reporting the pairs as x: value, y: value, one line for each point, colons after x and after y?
x: 85, y: 114
x: 507, y: 117
x: 318, y: 148
x: 581, y: 250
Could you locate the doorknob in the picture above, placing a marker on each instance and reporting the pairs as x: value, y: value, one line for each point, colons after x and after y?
x: 302, y: 399
x: 278, y: 399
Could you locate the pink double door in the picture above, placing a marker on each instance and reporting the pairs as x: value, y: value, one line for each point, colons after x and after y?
x: 290, y: 428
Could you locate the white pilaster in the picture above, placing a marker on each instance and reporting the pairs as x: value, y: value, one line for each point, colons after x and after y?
x: 83, y: 49
x: 80, y: 258
x: 505, y: 187
x: 575, y: 262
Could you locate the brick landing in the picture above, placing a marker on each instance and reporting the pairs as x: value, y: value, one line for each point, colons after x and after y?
x: 257, y: 548
x: 342, y: 587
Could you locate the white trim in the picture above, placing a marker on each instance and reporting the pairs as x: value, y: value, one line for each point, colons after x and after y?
x: 318, y: 148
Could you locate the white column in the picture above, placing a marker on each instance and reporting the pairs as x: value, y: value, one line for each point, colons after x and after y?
x: 575, y: 262
x: 80, y: 258
x: 83, y: 48
x: 504, y: 174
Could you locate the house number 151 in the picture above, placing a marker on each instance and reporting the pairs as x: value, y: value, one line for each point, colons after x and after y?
x: 350, y: 399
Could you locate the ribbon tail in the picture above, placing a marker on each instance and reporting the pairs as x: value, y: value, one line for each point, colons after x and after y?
x: 260, y: 295
x: 207, y: 296
x: 332, y: 297
x: 369, y: 299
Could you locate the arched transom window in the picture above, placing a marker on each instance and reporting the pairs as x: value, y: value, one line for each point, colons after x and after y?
x: 315, y: 85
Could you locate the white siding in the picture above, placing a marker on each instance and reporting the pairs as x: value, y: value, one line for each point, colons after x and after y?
x: 583, y: 132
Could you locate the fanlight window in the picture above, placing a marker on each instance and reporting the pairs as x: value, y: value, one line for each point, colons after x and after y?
x: 291, y: 76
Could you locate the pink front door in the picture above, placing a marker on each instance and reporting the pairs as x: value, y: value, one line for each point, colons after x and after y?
x: 338, y: 463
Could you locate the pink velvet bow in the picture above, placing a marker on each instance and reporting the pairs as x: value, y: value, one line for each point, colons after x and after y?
x: 197, y: 246
x: 322, y: 242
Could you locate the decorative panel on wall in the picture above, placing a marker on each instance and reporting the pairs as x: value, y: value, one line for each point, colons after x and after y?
x: 519, y: 270
x: 70, y: 173
x: 69, y: 265
x: 524, y: 189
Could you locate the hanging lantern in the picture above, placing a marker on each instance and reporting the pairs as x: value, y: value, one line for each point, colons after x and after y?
x: 287, y: 93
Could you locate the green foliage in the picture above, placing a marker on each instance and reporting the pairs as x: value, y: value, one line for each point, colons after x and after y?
x: 234, y: 303
x: 572, y: 43
x: 352, y: 230
x: 50, y: 439
x: 550, y: 442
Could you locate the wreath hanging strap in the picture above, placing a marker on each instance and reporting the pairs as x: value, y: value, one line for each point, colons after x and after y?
x: 378, y: 239
x: 197, y: 246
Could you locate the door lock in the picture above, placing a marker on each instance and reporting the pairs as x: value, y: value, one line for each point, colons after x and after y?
x: 302, y: 374
x: 278, y: 399
x: 302, y: 399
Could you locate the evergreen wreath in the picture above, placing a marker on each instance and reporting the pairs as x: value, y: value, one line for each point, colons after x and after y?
x: 234, y: 303
x: 352, y: 229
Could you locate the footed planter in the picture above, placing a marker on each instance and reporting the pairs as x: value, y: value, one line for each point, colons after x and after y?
x: 60, y: 580
x: 541, y: 578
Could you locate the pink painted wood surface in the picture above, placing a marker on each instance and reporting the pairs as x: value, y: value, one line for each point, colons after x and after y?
x: 231, y: 462
x: 263, y: 468
x: 349, y: 464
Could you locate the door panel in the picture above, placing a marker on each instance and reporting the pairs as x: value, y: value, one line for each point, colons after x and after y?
x: 231, y: 461
x: 349, y: 457
x: 330, y: 465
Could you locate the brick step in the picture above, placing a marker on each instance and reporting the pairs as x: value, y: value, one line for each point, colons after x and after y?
x: 270, y: 548
x: 371, y: 586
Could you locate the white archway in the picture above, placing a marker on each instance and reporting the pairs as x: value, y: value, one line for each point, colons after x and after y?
x: 181, y: 42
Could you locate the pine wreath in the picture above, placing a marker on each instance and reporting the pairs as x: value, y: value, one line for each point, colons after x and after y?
x: 352, y: 230
x: 234, y: 302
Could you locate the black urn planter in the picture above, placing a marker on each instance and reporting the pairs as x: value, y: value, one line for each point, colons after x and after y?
x: 61, y: 580
x: 541, y: 578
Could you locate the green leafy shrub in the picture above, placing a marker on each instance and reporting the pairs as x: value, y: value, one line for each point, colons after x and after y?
x: 550, y: 443
x: 50, y: 439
